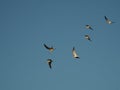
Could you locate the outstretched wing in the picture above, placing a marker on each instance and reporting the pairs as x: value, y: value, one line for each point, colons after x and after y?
x: 46, y: 46
x: 50, y: 65
x: 106, y: 18
x: 91, y: 28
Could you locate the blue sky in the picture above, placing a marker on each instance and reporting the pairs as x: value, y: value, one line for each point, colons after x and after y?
x: 25, y: 25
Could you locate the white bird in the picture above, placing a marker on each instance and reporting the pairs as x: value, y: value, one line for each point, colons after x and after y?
x: 75, y: 55
x: 49, y: 61
x: 89, y: 27
x: 108, y: 20
x: 49, y: 48
x: 88, y: 37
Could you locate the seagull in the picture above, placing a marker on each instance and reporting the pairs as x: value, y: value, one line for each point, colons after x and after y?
x: 108, y: 20
x: 49, y: 61
x: 88, y: 37
x: 89, y: 27
x: 49, y: 48
x: 74, y: 53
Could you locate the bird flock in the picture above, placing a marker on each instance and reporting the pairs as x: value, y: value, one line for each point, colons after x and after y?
x: 74, y: 53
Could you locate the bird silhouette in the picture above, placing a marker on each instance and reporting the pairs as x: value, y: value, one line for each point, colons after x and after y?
x: 51, y: 49
x: 49, y: 61
x: 88, y: 37
x: 75, y: 55
x: 89, y: 27
x: 108, y: 20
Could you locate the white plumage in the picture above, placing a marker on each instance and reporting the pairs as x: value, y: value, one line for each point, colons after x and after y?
x: 75, y: 55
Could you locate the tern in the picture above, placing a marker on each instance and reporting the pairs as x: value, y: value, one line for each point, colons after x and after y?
x: 49, y: 48
x: 75, y: 55
x: 88, y: 37
x: 108, y: 20
x: 89, y: 27
x: 49, y: 61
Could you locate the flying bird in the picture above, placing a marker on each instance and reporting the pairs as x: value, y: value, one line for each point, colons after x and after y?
x: 108, y: 20
x: 75, y: 55
x: 89, y: 27
x: 88, y: 37
x: 49, y: 48
x: 49, y: 61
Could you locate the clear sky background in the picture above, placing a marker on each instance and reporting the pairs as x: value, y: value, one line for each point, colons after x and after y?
x: 25, y: 25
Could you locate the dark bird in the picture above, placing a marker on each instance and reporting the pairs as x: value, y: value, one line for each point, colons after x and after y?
x: 49, y: 48
x: 108, y: 20
x: 88, y: 37
x: 75, y: 55
x: 89, y: 27
x: 49, y: 61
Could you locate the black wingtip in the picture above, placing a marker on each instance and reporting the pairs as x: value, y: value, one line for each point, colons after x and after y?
x: 77, y: 57
x: 92, y: 29
x: 105, y: 18
x: 89, y: 39
x: 73, y: 48
x: 50, y: 67
x: 44, y: 44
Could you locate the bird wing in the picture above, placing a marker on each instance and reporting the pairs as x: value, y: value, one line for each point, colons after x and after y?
x: 106, y: 18
x: 50, y: 65
x: 46, y: 46
x: 91, y: 28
